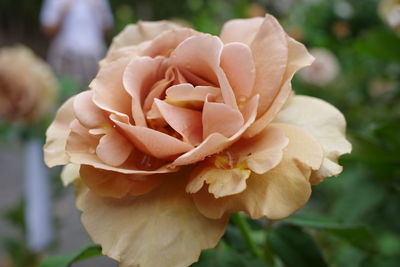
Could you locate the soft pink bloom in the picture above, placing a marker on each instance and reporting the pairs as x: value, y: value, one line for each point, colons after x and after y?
x: 182, y: 128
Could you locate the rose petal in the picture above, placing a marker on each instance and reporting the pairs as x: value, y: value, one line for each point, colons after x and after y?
x: 88, y: 114
x: 108, y: 91
x: 270, y: 54
x: 185, y: 121
x: 70, y: 173
x: 113, y: 148
x: 237, y: 63
x: 138, y: 78
x: 158, y: 90
x: 325, y: 123
x: 152, y: 142
x: 167, y: 41
x: 207, y: 62
x: 298, y: 58
x: 262, y: 152
x: 216, y: 142
x: 221, y: 182
x: 81, y: 149
x: 135, y: 34
x: 175, y: 226
x: 113, y: 184
x: 220, y: 118
x: 57, y: 134
x: 186, y: 92
x: 241, y: 30
x: 277, y: 193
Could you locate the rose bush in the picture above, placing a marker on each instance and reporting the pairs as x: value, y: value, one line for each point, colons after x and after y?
x: 28, y: 88
x: 182, y: 128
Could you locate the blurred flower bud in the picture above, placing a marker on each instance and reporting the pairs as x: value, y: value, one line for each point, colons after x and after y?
x: 390, y: 13
x: 341, y: 29
x: 255, y: 10
x: 28, y: 88
x: 324, y: 69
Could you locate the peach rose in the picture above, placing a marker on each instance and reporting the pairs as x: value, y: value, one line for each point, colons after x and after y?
x: 28, y: 88
x: 182, y: 128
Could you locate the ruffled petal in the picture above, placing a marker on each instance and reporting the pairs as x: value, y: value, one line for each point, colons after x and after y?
x: 185, y: 121
x: 216, y: 142
x: 152, y: 142
x: 220, y: 118
x: 221, y: 182
x: 113, y: 184
x: 57, y: 135
x: 108, y: 91
x: 88, y: 114
x: 262, y: 152
x: 298, y: 58
x: 186, y: 94
x: 113, y: 148
x: 138, y: 78
x: 325, y: 123
x: 241, y: 30
x: 237, y: 63
x: 270, y: 54
x: 70, y: 173
x: 81, y: 149
x: 161, y: 228
x: 135, y: 34
x: 166, y: 42
x: 277, y: 193
x: 205, y: 63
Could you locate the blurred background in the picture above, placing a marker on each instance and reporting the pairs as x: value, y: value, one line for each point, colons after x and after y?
x: 351, y: 220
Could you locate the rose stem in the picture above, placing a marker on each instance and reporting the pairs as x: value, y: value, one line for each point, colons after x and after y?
x: 240, y: 221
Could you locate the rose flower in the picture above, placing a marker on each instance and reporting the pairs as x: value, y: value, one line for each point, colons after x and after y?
x: 182, y: 128
x: 28, y: 88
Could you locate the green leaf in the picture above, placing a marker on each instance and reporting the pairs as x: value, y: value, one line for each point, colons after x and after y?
x: 295, y: 247
x: 88, y: 251
x: 357, y: 235
x: 225, y: 256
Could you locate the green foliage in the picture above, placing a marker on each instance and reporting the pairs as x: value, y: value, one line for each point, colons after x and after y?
x: 88, y: 251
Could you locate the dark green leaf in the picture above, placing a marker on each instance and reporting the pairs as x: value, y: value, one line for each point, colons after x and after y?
x: 88, y: 251
x: 357, y: 235
x: 295, y: 247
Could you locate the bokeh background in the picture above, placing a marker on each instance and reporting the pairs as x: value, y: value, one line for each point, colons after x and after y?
x: 351, y: 220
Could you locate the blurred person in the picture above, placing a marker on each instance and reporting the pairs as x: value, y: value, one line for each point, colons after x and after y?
x: 78, y: 28
x: 323, y: 70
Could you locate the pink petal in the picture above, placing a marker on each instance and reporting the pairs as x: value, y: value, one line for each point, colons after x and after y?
x: 220, y: 118
x: 81, y: 149
x: 204, y: 62
x: 185, y: 121
x: 138, y: 78
x: 88, y: 114
x: 270, y: 53
x: 57, y: 135
x: 158, y: 90
x: 216, y: 142
x: 114, y: 149
x: 135, y: 34
x: 108, y: 91
x: 262, y: 152
x: 241, y: 30
x: 187, y: 92
x: 237, y: 63
x: 166, y: 42
x: 153, y: 142
x: 298, y: 58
